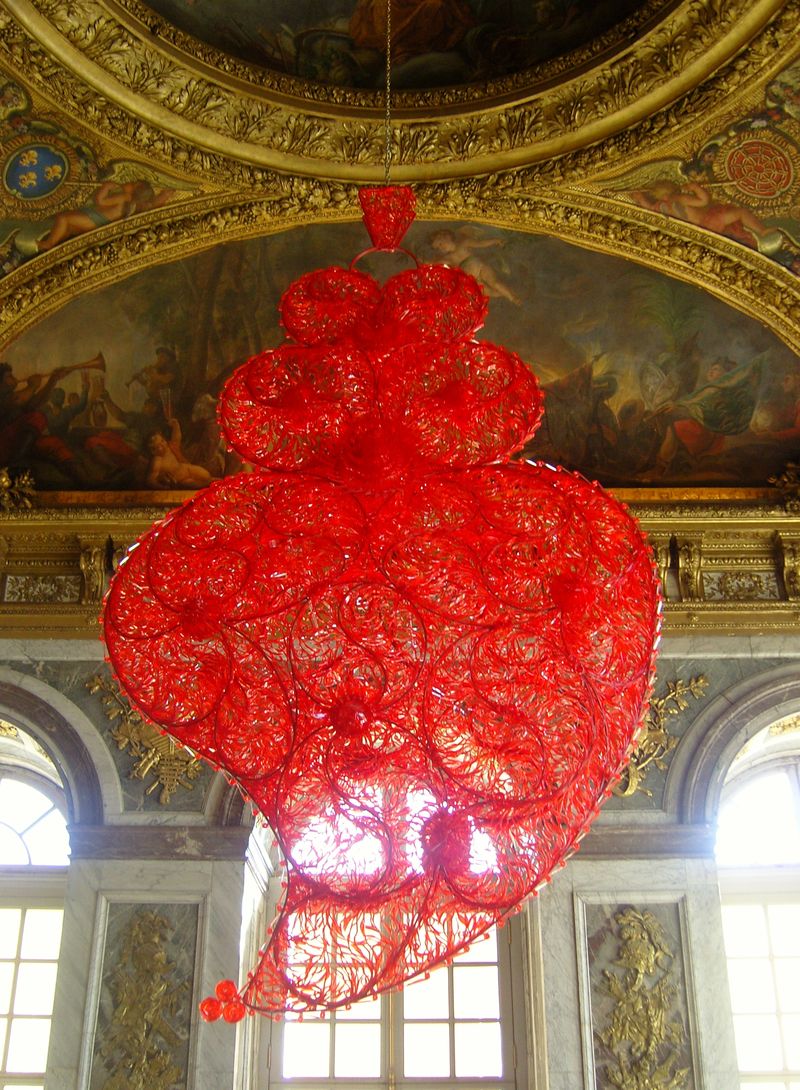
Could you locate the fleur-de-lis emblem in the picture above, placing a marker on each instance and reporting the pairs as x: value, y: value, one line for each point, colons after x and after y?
x: 28, y: 180
x: 29, y: 158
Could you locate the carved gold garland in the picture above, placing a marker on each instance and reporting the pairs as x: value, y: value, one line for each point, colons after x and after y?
x: 139, y: 1046
x: 218, y: 111
x: 644, y: 1039
x: 157, y: 756
x: 655, y: 743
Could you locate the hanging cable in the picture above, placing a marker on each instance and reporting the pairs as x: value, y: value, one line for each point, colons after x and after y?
x: 387, y: 121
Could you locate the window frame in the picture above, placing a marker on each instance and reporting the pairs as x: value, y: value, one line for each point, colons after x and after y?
x: 766, y: 884
x: 514, y: 1019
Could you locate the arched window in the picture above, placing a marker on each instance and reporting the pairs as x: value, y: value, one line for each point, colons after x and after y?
x: 34, y: 852
x: 758, y: 853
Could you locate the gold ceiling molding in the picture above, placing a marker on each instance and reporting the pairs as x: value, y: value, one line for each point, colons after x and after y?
x: 613, y: 41
x: 734, y: 273
x: 116, y: 55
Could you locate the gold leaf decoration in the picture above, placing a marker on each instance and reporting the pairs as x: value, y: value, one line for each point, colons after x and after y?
x: 642, y: 1036
x: 655, y: 742
x: 171, y: 766
x: 138, y: 1044
x: 16, y: 493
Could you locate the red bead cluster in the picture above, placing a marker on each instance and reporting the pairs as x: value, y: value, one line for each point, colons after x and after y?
x: 225, y: 1002
x: 424, y: 663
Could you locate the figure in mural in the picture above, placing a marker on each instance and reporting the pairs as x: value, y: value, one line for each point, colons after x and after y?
x: 159, y: 376
x: 418, y: 26
x: 694, y: 203
x: 112, y: 201
x: 169, y: 467
x: 26, y: 409
x: 722, y: 406
x: 458, y: 248
x: 435, y: 42
x: 626, y: 357
x: 54, y: 188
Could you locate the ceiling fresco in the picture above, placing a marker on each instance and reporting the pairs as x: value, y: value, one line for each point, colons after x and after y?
x: 647, y: 380
x: 742, y: 182
x: 434, y: 42
x: 56, y: 187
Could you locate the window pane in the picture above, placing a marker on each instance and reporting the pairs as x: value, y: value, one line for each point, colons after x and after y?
x: 427, y: 998
x: 758, y: 823
x: 306, y: 1050
x: 426, y: 1051
x: 41, y: 935
x: 358, y: 1051
x: 36, y: 986
x: 3, y: 1029
x: 790, y: 1024
x: 758, y: 1043
x: 9, y: 932
x: 475, y: 992
x: 745, y: 930
x: 787, y: 980
x: 784, y: 929
x: 752, y: 990
x: 13, y: 852
x: 479, y: 1050
x: 6, y: 981
x: 48, y: 841
x: 483, y: 949
x: 27, y: 1044
x: 20, y: 804
x: 366, y: 1010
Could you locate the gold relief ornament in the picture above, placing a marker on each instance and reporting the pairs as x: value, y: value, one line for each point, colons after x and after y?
x: 8, y: 730
x: 171, y: 766
x: 788, y: 485
x: 17, y: 493
x: 138, y: 1046
x: 655, y: 743
x: 643, y: 1038
x: 214, y: 109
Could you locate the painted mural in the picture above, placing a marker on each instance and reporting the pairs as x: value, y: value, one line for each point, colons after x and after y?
x: 742, y: 182
x: 54, y: 187
x: 647, y: 380
x: 434, y: 42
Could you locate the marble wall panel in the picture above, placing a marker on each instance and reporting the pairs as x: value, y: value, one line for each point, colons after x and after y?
x: 641, y: 1016
x: 658, y: 885
x: 146, y: 997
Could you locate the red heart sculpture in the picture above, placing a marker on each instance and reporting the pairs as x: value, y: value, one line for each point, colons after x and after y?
x: 424, y: 663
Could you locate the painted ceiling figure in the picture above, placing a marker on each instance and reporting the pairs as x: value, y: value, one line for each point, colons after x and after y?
x: 418, y: 26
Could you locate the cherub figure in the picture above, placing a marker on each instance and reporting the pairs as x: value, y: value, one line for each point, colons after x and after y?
x: 457, y: 248
x: 169, y: 467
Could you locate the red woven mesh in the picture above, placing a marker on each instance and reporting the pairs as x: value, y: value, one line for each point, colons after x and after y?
x: 388, y: 213
x: 423, y: 663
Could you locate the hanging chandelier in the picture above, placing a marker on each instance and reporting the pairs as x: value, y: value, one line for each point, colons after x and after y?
x: 423, y: 662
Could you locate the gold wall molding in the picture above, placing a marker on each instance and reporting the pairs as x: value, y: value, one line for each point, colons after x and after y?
x: 746, y: 551
x: 218, y: 111
x: 655, y: 744
x: 732, y: 272
x: 156, y: 756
